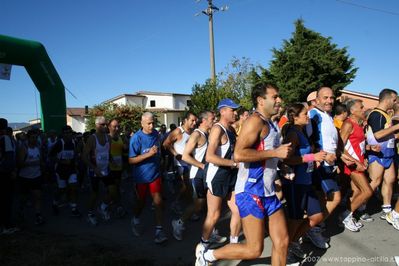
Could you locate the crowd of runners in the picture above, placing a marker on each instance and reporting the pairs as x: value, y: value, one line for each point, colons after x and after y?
x: 287, y: 169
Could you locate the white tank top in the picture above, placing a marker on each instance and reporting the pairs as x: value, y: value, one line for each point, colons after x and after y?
x: 199, y: 154
x: 179, y: 146
x: 102, y: 156
x: 31, y: 171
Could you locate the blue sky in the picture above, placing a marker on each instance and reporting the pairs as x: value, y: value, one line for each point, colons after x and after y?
x: 102, y: 49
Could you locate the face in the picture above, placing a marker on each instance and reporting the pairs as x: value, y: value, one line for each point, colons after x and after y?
x: 325, y: 99
x: 228, y: 114
x: 113, y: 127
x: 147, y: 123
x: 190, y: 121
x: 271, y: 101
x: 357, y: 111
x: 302, y: 119
x: 32, y: 140
x: 101, y: 126
x: 392, y: 100
x: 67, y: 134
x: 244, y: 116
x: 209, y: 121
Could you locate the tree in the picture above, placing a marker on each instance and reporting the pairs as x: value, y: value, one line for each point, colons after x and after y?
x: 129, y: 116
x: 233, y: 82
x: 306, y: 62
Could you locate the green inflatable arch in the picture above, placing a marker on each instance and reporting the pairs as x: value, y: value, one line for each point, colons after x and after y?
x: 33, y: 56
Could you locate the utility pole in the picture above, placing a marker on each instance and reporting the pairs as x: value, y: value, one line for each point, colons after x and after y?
x: 209, y: 12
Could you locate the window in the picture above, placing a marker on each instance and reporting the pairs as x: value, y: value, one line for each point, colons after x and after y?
x: 189, y: 103
x: 152, y: 103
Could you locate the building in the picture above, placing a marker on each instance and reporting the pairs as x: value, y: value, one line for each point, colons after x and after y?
x: 170, y: 106
x: 369, y: 101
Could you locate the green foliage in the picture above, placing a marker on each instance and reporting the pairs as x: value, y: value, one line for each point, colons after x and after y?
x: 306, y: 62
x: 129, y: 116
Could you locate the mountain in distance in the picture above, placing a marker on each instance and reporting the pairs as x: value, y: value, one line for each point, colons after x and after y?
x: 17, y: 125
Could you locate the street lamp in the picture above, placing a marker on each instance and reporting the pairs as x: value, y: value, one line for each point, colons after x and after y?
x: 209, y: 12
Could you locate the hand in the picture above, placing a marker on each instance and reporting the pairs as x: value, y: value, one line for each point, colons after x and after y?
x: 347, y: 160
x: 375, y: 148
x: 360, y: 166
x: 330, y: 158
x: 320, y: 156
x: 283, y: 151
x: 98, y: 173
x: 153, y: 150
x: 287, y: 172
x: 178, y: 157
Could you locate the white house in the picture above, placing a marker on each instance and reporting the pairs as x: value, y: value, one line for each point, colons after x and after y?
x: 76, y: 118
x: 170, y: 106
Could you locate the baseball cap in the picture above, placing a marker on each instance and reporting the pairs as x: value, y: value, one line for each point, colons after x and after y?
x: 228, y: 103
x: 311, y: 96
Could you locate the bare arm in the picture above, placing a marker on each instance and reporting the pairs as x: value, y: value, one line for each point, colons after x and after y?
x: 172, y: 138
x: 88, y: 148
x: 213, y: 142
x: 189, y: 148
x: 380, y: 134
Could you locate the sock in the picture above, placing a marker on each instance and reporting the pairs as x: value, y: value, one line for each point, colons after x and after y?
x: 233, y: 239
x: 208, y: 255
x: 395, y: 215
x: 386, y: 208
x: 204, y: 242
x: 362, y: 208
x: 136, y: 220
x: 158, y: 229
x: 103, y: 206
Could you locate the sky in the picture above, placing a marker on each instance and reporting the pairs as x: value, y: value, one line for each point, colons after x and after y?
x: 102, y: 49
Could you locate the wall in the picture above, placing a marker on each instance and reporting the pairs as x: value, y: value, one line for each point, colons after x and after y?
x: 180, y: 101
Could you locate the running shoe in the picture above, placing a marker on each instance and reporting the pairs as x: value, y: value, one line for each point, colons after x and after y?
x: 104, y: 213
x: 9, y: 231
x: 317, y: 239
x: 120, y: 212
x: 160, y: 237
x: 199, y: 255
x: 178, y: 228
x: 135, y: 227
x: 350, y: 224
x: 216, y: 238
x: 92, y: 219
x: 365, y: 217
x: 295, y: 248
x: 383, y: 215
x: 292, y: 259
x: 39, y: 219
x: 75, y: 213
x: 391, y: 220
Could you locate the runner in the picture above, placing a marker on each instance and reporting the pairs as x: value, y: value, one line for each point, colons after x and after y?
x: 243, y: 115
x: 299, y: 193
x: 144, y: 155
x: 96, y: 155
x: 30, y: 163
x: 194, y: 155
x: 116, y: 165
x: 255, y: 196
x: 380, y: 131
x: 353, y: 138
x: 64, y: 152
x: 175, y: 143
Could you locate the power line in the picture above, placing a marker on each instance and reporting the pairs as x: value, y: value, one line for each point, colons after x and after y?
x: 369, y: 8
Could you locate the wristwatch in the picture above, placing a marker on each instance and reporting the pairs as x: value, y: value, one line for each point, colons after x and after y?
x: 234, y: 165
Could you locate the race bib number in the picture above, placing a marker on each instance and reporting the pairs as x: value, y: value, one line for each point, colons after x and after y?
x: 391, y: 143
x: 310, y: 168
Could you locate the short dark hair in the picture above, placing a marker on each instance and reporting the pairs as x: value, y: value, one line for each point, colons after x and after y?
x: 241, y: 111
x: 385, y: 93
x: 260, y: 90
x: 341, y: 108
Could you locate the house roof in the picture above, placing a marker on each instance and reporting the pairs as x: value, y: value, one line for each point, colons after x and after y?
x: 162, y: 93
x: 123, y: 96
x: 76, y: 111
x: 164, y: 110
x: 361, y: 94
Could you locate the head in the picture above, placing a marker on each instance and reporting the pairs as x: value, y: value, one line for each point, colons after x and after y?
x: 9, y: 131
x: 388, y: 97
x: 3, y: 126
x: 243, y: 114
x: 162, y: 129
x: 311, y: 99
x: 147, y: 122
x: 396, y: 108
x: 172, y: 127
x: 356, y: 109
x: 297, y: 114
x: 101, y: 124
x: 325, y: 99
x: 67, y: 132
x: 113, y: 127
x: 266, y: 99
x: 189, y: 121
x: 341, y: 111
x: 32, y: 137
x: 227, y: 109
x: 205, y: 119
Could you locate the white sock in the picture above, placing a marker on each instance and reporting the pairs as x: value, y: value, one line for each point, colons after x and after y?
x: 136, y: 220
x: 347, y: 214
x: 233, y: 239
x: 386, y: 208
x: 395, y: 215
x: 208, y: 255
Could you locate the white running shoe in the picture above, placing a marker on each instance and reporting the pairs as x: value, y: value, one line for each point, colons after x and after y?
x: 178, y: 228
x: 317, y: 239
x: 216, y: 238
x: 104, y: 214
x: 160, y: 237
x: 199, y: 256
x: 92, y: 219
x: 135, y: 228
x: 365, y: 217
x: 350, y: 224
x: 391, y: 220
